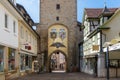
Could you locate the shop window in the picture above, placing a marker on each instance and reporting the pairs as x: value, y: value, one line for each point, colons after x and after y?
x: 30, y: 62
x: 26, y: 60
x: 1, y: 59
x: 11, y: 59
x: 22, y: 62
x: 115, y: 63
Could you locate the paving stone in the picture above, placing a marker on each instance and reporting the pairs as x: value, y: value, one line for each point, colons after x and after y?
x: 61, y: 76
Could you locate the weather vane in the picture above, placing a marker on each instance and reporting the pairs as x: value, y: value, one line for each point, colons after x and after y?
x: 105, y: 3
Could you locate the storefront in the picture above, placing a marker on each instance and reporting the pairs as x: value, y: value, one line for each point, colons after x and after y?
x: 2, y: 76
x: 1, y: 59
x: 25, y: 63
x: 11, y: 59
x: 90, y: 65
x: 114, y: 57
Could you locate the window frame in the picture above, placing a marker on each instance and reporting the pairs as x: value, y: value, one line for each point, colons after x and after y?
x: 11, y: 59
x: 14, y: 26
x: 57, y: 18
x: 57, y: 6
x: 2, y: 65
x: 6, y: 20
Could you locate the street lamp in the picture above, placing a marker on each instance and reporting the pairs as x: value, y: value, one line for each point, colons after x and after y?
x: 107, y: 62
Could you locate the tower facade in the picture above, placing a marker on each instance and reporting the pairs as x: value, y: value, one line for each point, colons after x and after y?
x: 57, y: 29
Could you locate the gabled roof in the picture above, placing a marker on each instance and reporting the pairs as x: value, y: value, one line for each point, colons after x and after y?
x: 96, y: 12
x: 17, y: 8
x: 25, y: 14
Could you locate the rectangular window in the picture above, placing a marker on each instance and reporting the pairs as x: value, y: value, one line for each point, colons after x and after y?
x: 14, y: 27
x: 57, y: 6
x: 114, y: 63
x: 33, y: 40
x: 105, y: 19
x: 22, y: 32
x: 11, y: 59
x: 6, y: 21
x: 26, y: 36
x: 1, y: 59
x: 101, y: 21
x: 30, y: 38
x: 57, y: 18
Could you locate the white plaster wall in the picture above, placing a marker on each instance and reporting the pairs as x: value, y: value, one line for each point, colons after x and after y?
x: 7, y: 36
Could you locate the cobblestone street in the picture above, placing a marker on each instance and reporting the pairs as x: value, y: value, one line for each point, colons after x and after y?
x: 61, y: 76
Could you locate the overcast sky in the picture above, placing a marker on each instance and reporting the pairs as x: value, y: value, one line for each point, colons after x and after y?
x: 32, y: 6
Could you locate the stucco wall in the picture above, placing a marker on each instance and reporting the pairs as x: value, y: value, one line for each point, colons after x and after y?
x: 114, y: 25
x: 32, y: 38
x: 8, y: 37
x: 51, y: 41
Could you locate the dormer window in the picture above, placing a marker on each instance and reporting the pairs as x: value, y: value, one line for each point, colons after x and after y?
x: 30, y: 22
x: 26, y: 18
x: 13, y: 1
x: 103, y: 20
x: 22, y: 12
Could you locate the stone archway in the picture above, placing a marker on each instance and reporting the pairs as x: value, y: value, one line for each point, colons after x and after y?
x: 57, y: 62
x: 57, y: 44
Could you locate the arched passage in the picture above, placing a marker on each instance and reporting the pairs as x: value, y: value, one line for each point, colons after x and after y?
x: 57, y: 61
x: 57, y: 48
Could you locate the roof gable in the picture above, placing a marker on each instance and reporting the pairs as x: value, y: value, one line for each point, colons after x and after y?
x: 96, y: 12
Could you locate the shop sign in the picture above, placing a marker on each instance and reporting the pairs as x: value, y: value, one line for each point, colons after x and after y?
x: 113, y: 47
x: 95, y: 47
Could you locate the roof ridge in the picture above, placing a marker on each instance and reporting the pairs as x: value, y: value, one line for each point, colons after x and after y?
x: 100, y: 8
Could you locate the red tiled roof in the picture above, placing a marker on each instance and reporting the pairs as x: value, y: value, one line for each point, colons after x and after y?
x: 96, y: 12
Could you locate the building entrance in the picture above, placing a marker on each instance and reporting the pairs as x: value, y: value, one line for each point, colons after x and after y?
x: 58, y: 62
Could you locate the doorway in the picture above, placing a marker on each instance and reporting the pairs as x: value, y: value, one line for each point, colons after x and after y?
x: 58, y: 62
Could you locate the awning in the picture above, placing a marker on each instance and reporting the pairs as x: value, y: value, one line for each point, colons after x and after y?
x: 91, y: 55
x: 28, y: 53
x: 115, y: 41
x: 113, y: 45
